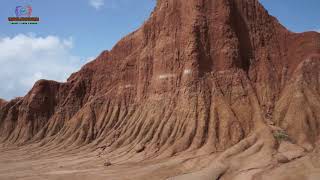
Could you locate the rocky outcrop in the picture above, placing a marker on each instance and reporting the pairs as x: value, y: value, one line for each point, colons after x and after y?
x: 198, y: 76
x: 2, y: 102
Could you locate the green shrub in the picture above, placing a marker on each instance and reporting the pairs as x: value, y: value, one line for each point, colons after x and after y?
x: 281, y: 136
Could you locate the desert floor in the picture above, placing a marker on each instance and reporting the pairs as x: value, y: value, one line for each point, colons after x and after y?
x: 31, y: 164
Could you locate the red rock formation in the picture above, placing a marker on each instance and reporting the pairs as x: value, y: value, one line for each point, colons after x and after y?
x: 2, y: 102
x: 200, y: 76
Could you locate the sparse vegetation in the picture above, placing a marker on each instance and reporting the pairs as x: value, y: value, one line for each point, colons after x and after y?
x: 281, y: 136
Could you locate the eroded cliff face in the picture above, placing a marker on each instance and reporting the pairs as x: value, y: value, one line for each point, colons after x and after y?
x: 2, y: 102
x: 198, y: 76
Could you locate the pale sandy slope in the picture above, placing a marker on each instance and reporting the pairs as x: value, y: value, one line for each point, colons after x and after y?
x: 249, y: 159
x: 26, y: 164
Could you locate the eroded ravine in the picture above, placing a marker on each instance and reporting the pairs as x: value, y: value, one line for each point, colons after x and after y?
x: 209, y: 89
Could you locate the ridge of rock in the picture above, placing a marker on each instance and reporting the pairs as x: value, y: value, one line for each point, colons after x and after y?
x: 200, y: 76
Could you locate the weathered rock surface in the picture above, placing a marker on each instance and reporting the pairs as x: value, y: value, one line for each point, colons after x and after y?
x: 199, y: 77
x: 2, y: 102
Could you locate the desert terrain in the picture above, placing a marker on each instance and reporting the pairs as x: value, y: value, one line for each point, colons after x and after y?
x: 203, y: 90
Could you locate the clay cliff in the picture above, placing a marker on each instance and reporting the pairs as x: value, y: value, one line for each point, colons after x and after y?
x: 200, y: 76
x: 2, y: 102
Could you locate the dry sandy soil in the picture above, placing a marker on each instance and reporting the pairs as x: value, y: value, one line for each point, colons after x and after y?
x: 203, y: 90
x: 25, y: 164
x: 239, y: 162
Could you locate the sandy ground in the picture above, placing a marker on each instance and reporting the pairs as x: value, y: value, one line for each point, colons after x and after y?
x: 31, y: 164
x: 27, y: 163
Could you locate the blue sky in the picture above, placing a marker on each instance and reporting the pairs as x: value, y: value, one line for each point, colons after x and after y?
x: 71, y: 32
x: 296, y: 15
x: 92, y: 29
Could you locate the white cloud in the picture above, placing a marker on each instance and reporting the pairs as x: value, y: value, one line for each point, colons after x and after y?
x: 26, y: 58
x: 97, y: 4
